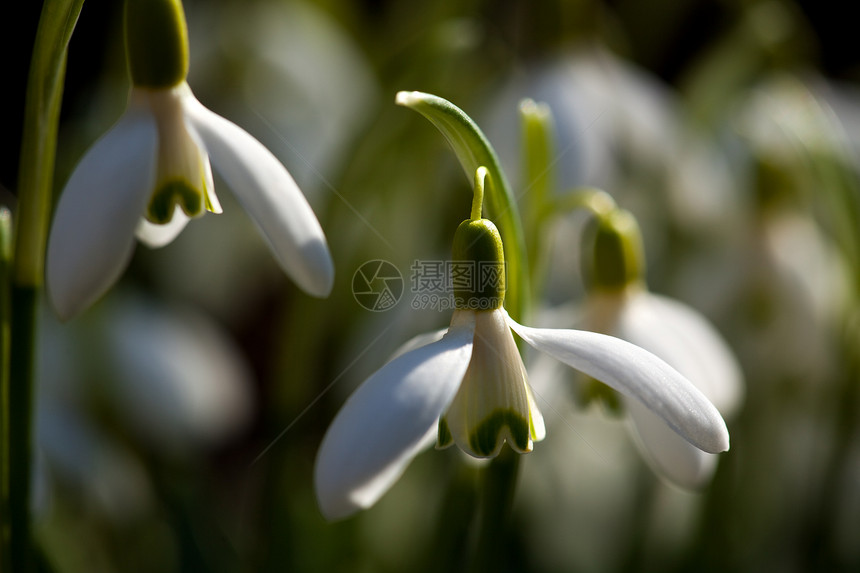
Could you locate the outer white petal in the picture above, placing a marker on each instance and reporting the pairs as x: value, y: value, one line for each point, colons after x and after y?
x: 157, y: 236
x: 492, y: 404
x: 688, y: 342
x: 418, y: 341
x: 673, y: 457
x: 537, y: 425
x: 386, y: 422
x: 270, y: 196
x: 92, y: 236
x: 638, y: 374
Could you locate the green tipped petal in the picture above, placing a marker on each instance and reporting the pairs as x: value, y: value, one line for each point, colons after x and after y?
x: 184, y: 175
x: 493, y: 404
x: 444, y: 439
x: 156, y: 38
x: 486, y: 439
x: 168, y: 196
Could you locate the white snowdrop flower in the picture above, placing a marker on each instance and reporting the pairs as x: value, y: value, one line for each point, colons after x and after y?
x: 470, y: 388
x: 151, y: 172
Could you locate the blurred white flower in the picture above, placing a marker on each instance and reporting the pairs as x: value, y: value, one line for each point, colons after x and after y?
x: 169, y: 376
x: 151, y: 172
x: 689, y: 343
x: 618, y: 303
x: 181, y: 384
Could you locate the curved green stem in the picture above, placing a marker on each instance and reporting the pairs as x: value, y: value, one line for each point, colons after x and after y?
x: 596, y: 201
x: 474, y: 150
x: 35, y: 189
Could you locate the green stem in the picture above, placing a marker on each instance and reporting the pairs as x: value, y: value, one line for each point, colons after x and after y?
x: 498, y: 488
x: 39, y: 143
x: 35, y: 190
x: 538, y: 156
x: 481, y: 175
x: 20, y: 396
x: 5, y: 274
x: 596, y: 201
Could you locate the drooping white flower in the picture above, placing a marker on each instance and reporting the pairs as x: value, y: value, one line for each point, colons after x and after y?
x: 619, y: 304
x: 171, y: 380
x: 682, y: 337
x: 151, y: 172
x: 471, y: 387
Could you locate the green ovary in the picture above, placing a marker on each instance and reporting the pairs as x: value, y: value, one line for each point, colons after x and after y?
x: 156, y: 38
x: 485, y: 437
x: 168, y: 195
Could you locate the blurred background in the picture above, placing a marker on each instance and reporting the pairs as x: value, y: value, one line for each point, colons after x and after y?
x: 179, y: 418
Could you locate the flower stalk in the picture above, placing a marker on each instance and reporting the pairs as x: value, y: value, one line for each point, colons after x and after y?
x: 35, y: 186
x: 539, y: 155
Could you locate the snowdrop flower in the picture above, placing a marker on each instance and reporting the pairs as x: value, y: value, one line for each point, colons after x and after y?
x: 619, y: 304
x: 470, y: 388
x: 151, y: 173
x: 170, y: 378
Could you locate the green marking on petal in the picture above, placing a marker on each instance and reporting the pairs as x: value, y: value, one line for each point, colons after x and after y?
x: 168, y: 195
x: 211, y: 207
x: 444, y: 438
x: 485, y: 438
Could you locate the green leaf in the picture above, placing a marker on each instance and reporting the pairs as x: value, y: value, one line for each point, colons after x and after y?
x: 39, y: 143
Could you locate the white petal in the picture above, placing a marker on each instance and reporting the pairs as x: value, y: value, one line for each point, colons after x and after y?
x: 157, y: 236
x: 181, y: 153
x: 270, y: 196
x: 688, y: 342
x: 181, y: 384
x: 638, y: 374
x: 387, y: 421
x: 536, y: 423
x: 672, y: 456
x: 92, y: 237
x: 418, y: 341
x: 492, y: 405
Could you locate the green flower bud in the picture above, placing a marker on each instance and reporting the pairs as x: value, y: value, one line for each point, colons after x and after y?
x: 478, y: 266
x: 616, y: 258
x: 156, y: 39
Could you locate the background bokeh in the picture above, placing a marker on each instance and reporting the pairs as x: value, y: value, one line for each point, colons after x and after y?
x: 179, y: 418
